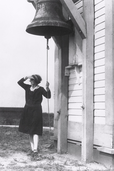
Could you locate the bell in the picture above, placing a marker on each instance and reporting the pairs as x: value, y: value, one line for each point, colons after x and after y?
x: 49, y: 20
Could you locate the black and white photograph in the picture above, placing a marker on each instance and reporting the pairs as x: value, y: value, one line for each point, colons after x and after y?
x: 57, y: 85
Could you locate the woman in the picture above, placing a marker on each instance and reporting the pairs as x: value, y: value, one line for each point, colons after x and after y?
x: 31, y: 119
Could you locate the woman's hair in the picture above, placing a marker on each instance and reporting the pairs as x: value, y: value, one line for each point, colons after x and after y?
x: 37, y: 78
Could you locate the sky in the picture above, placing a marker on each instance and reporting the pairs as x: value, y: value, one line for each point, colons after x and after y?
x: 21, y: 53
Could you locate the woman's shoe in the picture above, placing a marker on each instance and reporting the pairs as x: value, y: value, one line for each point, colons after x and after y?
x: 36, y: 157
x: 30, y: 153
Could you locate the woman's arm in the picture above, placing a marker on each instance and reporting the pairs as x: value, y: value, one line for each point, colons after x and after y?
x: 21, y: 82
x: 47, y: 92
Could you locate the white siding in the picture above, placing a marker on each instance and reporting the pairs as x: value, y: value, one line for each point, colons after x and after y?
x: 99, y: 27
x: 75, y: 87
x: 99, y: 63
x: 100, y: 5
x: 75, y: 96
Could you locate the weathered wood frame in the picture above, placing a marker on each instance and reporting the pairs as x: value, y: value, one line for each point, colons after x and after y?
x: 109, y: 65
x: 88, y: 51
x: 61, y: 103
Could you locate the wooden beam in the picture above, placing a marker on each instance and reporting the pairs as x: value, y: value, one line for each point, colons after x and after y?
x: 75, y: 16
x: 62, y: 97
x: 57, y: 40
x: 88, y: 51
x: 106, y: 150
x: 57, y: 101
x: 109, y: 63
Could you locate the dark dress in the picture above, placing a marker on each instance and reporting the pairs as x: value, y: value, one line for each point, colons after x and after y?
x: 31, y: 121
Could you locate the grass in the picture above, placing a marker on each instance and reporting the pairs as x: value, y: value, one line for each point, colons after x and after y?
x: 14, y: 147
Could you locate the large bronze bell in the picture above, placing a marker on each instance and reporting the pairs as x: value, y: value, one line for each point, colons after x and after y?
x: 49, y: 19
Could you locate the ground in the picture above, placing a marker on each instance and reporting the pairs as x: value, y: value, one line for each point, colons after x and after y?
x: 14, y: 149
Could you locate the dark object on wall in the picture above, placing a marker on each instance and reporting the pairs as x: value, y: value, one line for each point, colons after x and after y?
x: 49, y: 20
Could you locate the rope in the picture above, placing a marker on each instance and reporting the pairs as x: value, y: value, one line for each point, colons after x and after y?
x: 48, y: 108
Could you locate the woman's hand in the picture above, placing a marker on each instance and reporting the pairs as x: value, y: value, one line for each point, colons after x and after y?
x: 27, y: 77
x: 47, y: 86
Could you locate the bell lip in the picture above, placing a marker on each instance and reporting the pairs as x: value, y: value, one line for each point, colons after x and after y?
x: 54, y: 29
x: 58, y: 1
x: 60, y: 32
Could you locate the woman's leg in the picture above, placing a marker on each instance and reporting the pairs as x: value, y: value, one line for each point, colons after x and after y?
x: 35, y: 142
x: 31, y: 142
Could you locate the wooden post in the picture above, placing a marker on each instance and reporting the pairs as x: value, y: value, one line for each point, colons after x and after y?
x: 109, y: 63
x: 62, y: 86
x: 56, y: 89
x: 88, y: 53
